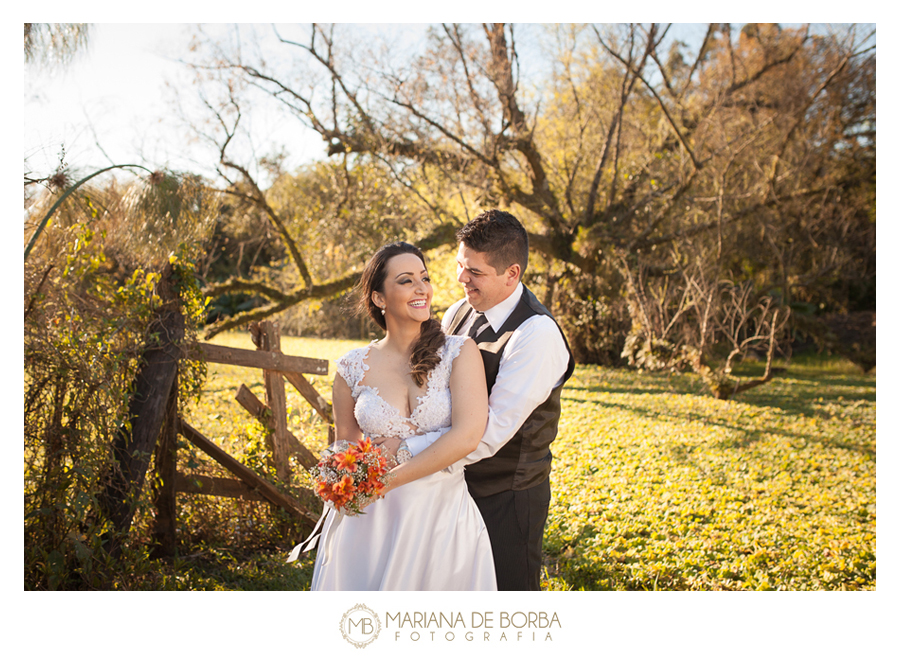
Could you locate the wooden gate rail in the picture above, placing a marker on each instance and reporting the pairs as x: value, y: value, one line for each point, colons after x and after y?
x: 213, y: 486
x: 247, y: 475
x: 258, y: 410
x: 264, y: 360
x: 281, y: 443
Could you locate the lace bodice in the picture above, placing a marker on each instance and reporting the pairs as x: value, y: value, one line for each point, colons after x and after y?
x: 378, y: 418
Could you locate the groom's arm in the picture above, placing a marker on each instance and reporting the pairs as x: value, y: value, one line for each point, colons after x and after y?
x: 534, y: 361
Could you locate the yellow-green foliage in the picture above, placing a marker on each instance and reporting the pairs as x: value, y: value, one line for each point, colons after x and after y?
x: 84, y: 334
x: 657, y: 485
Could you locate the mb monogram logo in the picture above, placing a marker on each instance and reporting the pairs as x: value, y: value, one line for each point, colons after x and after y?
x: 360, y: 626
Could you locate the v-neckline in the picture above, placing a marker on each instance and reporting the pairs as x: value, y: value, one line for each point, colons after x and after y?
x: 419, y: 398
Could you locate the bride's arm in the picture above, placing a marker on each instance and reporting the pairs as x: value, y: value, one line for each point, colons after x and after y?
x: 345, y: 426
x: 468, y: 392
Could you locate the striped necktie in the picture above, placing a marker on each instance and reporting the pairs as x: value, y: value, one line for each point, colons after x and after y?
x: 480, y: 321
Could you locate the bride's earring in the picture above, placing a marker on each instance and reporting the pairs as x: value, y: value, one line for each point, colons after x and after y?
x: 382, y: 311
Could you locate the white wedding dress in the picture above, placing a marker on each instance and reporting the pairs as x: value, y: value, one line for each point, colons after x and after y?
x: 425, y: 535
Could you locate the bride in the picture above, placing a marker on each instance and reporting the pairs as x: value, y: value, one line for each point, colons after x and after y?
x: 427, y: 533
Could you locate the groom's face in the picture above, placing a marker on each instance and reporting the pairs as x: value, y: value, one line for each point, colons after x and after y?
x: 484, y: 286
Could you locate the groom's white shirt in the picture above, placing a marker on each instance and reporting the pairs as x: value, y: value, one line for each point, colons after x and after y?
x: 533, y: 362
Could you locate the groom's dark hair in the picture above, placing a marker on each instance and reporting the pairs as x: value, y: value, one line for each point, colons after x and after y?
x: 499, y: 236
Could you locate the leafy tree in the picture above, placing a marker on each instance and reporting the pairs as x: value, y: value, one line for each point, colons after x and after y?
x: 628, y: 153
x: 94, y: 290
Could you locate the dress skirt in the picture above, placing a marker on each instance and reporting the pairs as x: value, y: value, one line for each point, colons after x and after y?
x: 424, y: 536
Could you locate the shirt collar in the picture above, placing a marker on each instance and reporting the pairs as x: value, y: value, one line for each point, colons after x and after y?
x: 498, y: 314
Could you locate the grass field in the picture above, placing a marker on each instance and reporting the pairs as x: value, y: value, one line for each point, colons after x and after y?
x: 656, y: 485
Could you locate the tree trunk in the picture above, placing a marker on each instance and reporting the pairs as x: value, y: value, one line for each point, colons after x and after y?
x: 132, y: 446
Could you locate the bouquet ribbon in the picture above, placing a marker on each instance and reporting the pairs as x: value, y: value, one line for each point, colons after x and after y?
x: 310, y: 542
x: 347, y: 478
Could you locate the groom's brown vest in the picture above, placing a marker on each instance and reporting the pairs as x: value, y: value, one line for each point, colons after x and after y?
x: 525, y: 459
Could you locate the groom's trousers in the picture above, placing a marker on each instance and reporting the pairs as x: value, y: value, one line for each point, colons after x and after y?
x: 515, y: 523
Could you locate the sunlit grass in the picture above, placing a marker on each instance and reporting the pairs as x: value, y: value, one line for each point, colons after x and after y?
x: 658, y: 485
x: 655, y: 483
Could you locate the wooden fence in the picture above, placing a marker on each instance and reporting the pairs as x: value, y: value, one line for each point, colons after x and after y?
x: 281, y: 443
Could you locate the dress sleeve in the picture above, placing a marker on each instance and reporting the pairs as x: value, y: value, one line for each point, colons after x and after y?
x: 351, y: 368
x: 452, y: 348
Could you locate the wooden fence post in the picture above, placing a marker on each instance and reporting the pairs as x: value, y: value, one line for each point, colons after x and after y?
x: 133, y: 445
x: 164, y: 486
x: 276, y: 367
x: 270, y: 340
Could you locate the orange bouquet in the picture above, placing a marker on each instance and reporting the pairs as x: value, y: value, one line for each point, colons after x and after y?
x: 350, y: 476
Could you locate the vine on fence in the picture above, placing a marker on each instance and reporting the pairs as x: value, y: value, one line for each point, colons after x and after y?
x: 84, y: 332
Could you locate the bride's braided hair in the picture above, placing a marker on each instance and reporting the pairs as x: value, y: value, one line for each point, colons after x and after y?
x: 424, y: 355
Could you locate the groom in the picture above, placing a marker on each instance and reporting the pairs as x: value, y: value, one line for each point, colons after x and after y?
x: 526, y: 361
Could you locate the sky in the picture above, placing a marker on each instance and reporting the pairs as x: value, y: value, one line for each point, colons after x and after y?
x: 111, y: 105
x: 114, y: 85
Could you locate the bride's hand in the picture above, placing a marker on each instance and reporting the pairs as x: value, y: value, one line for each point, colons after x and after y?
x: 390, y: 444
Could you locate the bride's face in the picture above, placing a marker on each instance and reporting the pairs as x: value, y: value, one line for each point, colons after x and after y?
x: 407, y: 289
